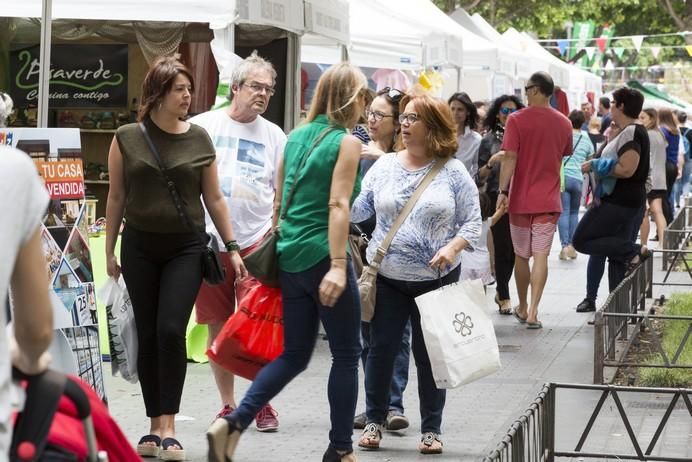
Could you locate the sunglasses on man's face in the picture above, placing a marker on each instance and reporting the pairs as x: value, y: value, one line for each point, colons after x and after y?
x: 507, y: 110
x: 392, y: 93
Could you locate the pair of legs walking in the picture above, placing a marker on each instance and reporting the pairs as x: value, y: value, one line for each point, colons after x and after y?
x: 163, y: 273
x: 567, y: 224
x: 214, y: 305
x: 532, y: 236
x: 302, y: 314
x: 395, y: 308
x: 503, y: 257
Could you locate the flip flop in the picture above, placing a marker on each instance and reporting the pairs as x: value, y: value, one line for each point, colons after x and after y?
x: 517, y: 317
x: 534, y: 325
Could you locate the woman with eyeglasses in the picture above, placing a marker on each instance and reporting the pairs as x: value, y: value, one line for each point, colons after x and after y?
x: 424, y: 254
x: 489, y: 160
x: 468, y: 139
x: 383, y: 129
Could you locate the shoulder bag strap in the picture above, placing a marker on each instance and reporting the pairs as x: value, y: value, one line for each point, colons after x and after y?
x: 289, y: 198
x: 564, y: 163
x: 173, y: 191
x: 427, y: 179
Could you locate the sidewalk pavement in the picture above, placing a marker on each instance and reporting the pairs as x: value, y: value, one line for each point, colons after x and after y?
x: 476, y: 415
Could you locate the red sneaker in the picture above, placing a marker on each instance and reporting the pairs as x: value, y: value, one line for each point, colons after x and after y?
x: 266, y: 420
x: 225, y: 410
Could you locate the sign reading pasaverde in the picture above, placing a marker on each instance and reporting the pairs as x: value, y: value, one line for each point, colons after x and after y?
x: 80, y: 76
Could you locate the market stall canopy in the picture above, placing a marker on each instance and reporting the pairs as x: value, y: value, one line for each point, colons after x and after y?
x: 659, y: 98
x: 216, y: 12
x: 394, y: 34
x: 507, y: 59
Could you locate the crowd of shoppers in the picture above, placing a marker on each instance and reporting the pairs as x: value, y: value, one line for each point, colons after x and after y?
x: 502, y: 183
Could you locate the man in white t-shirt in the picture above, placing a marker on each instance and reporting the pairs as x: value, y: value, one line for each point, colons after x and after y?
x: 248, y: 151
x: 23, y: 203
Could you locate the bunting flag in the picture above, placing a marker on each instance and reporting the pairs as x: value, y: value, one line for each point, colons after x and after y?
x: 596, y: 66
x: 590, y: 52
x: 601, y: 42
x: 562, y: 46
x: 609, y: 65
x: 655, y: 51
x: 619, y: 51
x: 689, y: 49
x: 637, y: 41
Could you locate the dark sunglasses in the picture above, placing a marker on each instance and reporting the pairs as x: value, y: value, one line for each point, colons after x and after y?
x: 391, y: 93
x: 529, y: 87
x: 508, y: 110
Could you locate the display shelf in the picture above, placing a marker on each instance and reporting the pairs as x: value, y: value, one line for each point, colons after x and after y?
x: 97, y: 130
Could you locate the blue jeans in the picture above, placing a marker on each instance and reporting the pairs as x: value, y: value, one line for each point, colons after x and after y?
x: 616, y: 267
x: 401, y: 363
x: 571, y: 197
x: 395, y: 307
x: 302, y: 314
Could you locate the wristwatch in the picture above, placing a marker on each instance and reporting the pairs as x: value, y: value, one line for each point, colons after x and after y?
x: 232, y: 246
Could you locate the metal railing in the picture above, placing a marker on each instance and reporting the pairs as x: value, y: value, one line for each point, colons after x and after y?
x: 531, y: 438
x: 611, y: 320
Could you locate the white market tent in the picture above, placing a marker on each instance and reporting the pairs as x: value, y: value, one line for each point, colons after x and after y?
x: 313, y: 17
x: 504, y: 78
x: 405, y: 34
x: 574, y: 81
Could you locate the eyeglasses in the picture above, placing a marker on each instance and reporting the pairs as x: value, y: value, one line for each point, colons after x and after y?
x: 258, y: 88
x: 377, y: 115
x: 410, y: 118
x: 529, y: 87
x: 508, y: 110
x: 392, y: 93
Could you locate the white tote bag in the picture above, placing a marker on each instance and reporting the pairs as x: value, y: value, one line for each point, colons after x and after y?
x: 122, y: 329
x: 458, y: 333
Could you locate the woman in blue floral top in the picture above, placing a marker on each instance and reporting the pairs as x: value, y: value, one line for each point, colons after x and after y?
x: 424, y: 254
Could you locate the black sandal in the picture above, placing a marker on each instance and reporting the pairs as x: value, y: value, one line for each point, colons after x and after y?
x: 169, y: 451
x: 149, y: 450
x: 223, y: 436
x: 333, y: 455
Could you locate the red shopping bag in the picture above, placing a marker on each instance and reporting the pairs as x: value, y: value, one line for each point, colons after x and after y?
x: 253, y: 336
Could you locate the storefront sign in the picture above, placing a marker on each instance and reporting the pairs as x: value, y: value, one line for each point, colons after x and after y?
x: 80, y: 76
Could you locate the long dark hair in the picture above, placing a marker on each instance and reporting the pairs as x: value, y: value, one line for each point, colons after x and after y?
x: 491, y: 116
x: 158, y: 83
x: 471, y: 110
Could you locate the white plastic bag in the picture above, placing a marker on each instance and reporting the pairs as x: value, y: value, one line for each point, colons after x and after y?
x: 458, y: 333
x: 122, y: 330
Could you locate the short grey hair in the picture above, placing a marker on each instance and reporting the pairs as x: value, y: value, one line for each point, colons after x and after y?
x: 252, y: 63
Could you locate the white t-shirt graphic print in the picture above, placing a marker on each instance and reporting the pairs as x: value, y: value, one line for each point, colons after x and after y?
x: 247, y: 157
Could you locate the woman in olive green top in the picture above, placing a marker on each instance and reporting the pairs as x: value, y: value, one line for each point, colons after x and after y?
x: 160, y: 254
x: 317, y: 280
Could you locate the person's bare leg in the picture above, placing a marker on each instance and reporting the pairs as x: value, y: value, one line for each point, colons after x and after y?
x: 539, y: 276
x: 645, y: 228
x: 168, y: 428
x: 659, y: 219
x: 224, y: 380
x: 522, y: 277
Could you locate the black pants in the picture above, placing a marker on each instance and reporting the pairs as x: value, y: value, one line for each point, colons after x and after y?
x: 671, y: 175
x: 606, y: 231
x: 504, y: 251
x: 163, y: 273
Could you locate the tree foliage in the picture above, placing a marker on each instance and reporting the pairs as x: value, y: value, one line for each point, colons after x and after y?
x: 548, y: 18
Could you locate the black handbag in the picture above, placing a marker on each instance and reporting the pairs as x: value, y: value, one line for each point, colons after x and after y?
x: 213, y: 271
x: 263, y: 262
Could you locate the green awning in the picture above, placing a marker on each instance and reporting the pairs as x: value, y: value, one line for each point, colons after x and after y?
x: 656, y: 94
